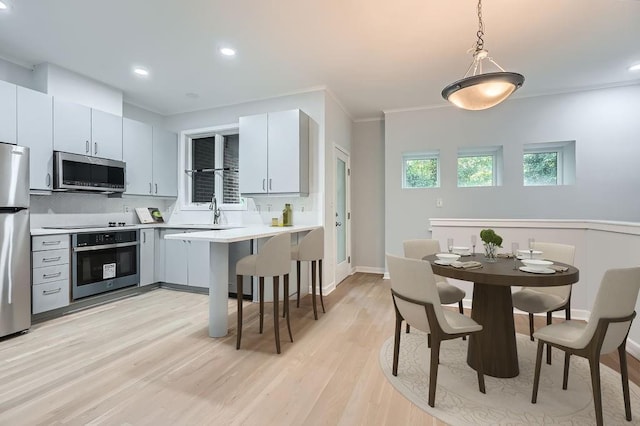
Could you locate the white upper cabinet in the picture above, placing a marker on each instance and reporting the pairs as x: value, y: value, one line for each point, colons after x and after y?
x: 81, y: 130
x: 151, y: 155
x: 165, y: 163
x: 35, y: 131
x: 106, y: 135
x: 274, y: 153
x: 137, y: 143
x: 71, y: 127
x: 7, y: 112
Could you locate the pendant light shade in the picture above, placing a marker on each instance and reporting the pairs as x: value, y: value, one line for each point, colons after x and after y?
x: 478, y: 90
x: 482, y: 91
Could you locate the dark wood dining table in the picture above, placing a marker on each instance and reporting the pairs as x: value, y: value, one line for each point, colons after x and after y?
x: 492, y: 307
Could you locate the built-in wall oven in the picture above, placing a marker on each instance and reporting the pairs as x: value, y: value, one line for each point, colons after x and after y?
x: 104, y: 261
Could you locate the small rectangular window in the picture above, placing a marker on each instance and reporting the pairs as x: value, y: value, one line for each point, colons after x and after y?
x: 202, y: 157
x: 421, y: 170
x: 478, y: 167
x: 548, y: 164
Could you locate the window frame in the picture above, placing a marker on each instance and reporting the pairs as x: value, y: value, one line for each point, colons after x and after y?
x: 565, y: 157
x: 495, y: 152
x: 428, y: 155
x: 185, y: 159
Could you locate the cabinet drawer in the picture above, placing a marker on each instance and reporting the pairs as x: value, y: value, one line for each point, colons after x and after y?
x: 50, y: 258
x: 50, y: 274
x: 50, y: 296
x: 50, y: 242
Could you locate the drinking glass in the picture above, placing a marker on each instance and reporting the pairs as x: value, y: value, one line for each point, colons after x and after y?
x: 474, y: 240
x: 532, y: 242
x: 514, y: 252
x: 450, y: 244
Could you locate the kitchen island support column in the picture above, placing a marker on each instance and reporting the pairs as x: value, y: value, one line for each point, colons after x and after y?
x: 218, y: 289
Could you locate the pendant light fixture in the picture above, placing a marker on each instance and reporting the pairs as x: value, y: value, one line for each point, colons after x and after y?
x: 478, y: 90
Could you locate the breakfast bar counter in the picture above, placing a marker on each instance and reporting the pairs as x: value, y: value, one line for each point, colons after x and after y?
x: 219, y: 264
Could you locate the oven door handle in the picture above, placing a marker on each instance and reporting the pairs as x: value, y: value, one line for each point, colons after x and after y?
x: 104, y: 247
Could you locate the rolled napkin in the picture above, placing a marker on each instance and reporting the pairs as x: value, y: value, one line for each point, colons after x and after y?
x: 466, y: 265
x: 559, y: 268
x: 504, y: 255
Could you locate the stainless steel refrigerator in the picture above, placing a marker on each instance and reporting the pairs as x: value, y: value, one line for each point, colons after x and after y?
x: 15, y: 251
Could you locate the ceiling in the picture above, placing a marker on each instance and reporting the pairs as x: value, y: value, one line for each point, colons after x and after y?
x: 373, y: 55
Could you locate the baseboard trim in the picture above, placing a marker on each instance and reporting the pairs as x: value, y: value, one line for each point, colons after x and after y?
x: 633, y: 349
x: 369, y: 270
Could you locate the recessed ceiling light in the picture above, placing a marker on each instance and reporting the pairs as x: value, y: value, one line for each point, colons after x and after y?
x: 227, y: 51
x: 141, y: 72
x: 192, y: 95
x: 635, y: 67
x: 3, y: 5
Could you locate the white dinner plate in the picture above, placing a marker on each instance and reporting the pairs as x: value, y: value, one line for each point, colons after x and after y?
x: 442, y: 262
x: 537, y: 271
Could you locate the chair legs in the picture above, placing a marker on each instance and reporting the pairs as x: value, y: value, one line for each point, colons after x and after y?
x: 461, y: 310
x: 536, y: 376
x: 531, y: 327
x: 433, y: 370
x: 276, y: 314
x: 396, y: 343
x: 625, y: 380
x: 549, y: 346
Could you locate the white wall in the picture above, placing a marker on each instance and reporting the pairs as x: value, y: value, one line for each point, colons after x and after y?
x: 72, y: 87
x: 16, y: 74
x: 137, y: 113
x: 338, y: 133
x: 367, y: 195
x: 603, y: 123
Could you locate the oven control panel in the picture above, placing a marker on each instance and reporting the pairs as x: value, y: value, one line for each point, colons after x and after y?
x: 104, y: 238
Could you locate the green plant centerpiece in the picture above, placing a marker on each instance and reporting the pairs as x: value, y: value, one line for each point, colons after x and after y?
x: 491, y: 242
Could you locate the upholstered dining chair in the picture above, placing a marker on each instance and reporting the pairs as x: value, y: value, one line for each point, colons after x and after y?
x: 606, y: 331
x: 536, y: 300
x: 449, y: 294
x: 416, y: 301
x: 310, y: 249
x: 273, y: 260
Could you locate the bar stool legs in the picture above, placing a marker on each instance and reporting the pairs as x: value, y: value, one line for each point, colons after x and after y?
x: 316, y: 271
x: 276, y: 307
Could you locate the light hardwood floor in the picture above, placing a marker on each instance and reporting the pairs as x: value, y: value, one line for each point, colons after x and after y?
x: 148, y: 360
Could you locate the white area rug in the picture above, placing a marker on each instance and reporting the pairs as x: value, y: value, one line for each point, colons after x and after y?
x: 507, y: 401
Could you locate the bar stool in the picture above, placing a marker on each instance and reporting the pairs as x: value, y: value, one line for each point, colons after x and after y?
x: 311, y: 249
x: 272, y: 261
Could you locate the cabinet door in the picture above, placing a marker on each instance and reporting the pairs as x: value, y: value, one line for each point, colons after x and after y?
x: 175, y: 265
x: 35, y: 130
x: 165, y: 163
x: 7, y: 112
x: 106, y: 135
x: 147, y: 256
x: 137, y: 147
x: 253, y: 154
x: 71, y: 127
x: 198, y: 262
x: 284, y: 151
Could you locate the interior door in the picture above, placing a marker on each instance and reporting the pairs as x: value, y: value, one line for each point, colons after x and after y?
x: 342, y: 214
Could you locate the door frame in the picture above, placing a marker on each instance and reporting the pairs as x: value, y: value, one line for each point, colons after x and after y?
x: 341, y: 271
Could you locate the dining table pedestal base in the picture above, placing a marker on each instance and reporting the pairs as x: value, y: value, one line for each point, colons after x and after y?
x: 493, y: 309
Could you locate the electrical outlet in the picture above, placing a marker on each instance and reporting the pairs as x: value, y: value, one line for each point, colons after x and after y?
x: 439, y: 202
x: 125, y: 209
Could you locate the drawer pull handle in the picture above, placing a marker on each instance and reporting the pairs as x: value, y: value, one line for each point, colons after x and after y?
x: 47, y: 276
x: 51, y: 243
x: 48, y: 292
x: 51, y: 259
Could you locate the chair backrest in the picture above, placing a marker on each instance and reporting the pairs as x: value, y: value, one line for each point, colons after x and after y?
x: 555, y: 252
x: 312, y: 245
x: 616, y: 298
x: 417, y: 249
x: 275, y: 256
x: 414, y: 279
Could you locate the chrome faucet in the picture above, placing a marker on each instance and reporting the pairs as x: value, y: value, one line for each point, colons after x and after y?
x: 216, y: 211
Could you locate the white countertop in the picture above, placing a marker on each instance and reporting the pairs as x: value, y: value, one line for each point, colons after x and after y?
x: 239, y: 234
x: 48, y: 231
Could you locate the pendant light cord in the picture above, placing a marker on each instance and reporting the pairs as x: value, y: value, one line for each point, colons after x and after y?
x: 480, y: 33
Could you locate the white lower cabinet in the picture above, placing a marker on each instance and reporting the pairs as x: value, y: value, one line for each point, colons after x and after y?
x: 147, y: 256
x: 186, y: 263
x: 50, y: 272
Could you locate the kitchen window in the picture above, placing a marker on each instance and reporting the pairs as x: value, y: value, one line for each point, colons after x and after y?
x: 421, y: 170
x: 548, y: 164
x: 479, y: 166
x: 211, y: 167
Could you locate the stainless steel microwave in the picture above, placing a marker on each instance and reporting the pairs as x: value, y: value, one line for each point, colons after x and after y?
x: 73, y: 172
